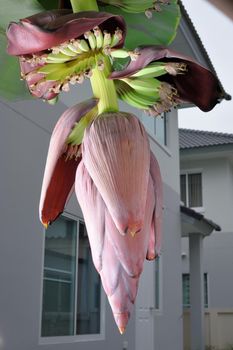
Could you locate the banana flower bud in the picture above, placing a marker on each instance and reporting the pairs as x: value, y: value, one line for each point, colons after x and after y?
x: 119, y: 188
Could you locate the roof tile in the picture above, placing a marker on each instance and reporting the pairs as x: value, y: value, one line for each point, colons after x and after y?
x: 189, y: 138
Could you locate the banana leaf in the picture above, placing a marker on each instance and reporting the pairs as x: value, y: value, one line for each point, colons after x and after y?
x: 13, y: 10
x: 49, y: 4
x: 159, y: 30
x: 11, y: 87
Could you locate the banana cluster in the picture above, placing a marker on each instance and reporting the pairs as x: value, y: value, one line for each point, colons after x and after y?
x: 72, y: 61
x: 154, y: 98
x: 93, y: 42
x: 144, y: 91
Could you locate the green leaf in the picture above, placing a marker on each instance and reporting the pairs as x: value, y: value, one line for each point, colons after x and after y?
x: 49, y: 4
x: 159, y: 30
x: 120, y: 63
x: 11, y: 87
x: 13, y: 10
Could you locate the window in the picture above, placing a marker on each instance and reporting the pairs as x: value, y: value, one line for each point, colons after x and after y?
x: 186, y: 290
x: 71, y: 285
x: 191, y: 189
x: 156, y: 126
x: 158, y: 284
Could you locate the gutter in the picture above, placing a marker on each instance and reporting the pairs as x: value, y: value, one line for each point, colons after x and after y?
x: 199, y: 217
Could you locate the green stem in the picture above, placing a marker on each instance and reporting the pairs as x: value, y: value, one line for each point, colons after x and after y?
x: 104, y: 89
x: 84, y: 5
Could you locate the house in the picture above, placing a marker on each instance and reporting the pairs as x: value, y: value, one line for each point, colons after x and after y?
x: 50, y: 295
x: 206, y: 175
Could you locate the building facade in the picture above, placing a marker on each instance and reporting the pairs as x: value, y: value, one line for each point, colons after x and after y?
x: 207, y: 186
x: 50, y: 293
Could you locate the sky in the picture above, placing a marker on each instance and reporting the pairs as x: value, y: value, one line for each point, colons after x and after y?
x: 216, y: 33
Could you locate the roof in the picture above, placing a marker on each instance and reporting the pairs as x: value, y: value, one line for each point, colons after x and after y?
x: 191, y: 26
x: 199, y: 218
x: 190, y: 139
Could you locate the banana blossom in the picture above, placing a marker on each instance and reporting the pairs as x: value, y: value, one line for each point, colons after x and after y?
x: 119, y: 188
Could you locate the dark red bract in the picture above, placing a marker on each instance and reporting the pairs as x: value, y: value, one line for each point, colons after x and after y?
x: 48, y: 29
x: 198, y: 85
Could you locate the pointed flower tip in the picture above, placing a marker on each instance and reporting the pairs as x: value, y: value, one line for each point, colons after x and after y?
x: 132, y: 232
x: 121, y: 320
x: 45, y: 224
x: 134, y: 228
x: 151, y: 257
x: 122, y: 330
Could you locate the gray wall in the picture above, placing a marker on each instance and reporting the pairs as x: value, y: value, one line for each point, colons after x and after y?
x: 169, y: 316
x: 25, y: 133
x: 168, y: 321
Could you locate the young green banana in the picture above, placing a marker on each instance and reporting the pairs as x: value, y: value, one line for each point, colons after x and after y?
x: 135, y: 98
x: 147, y: 85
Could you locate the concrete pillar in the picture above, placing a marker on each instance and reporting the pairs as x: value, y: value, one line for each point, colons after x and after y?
x: 196, y: 292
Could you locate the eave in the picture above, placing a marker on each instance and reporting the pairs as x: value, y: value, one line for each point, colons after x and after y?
x: 196, y: 223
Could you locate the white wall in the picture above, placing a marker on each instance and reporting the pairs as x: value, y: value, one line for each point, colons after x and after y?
x: 217, y: 184
x: 218, y: 205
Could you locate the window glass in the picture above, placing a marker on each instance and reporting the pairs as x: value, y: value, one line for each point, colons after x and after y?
x: 195, y: 190
x: 183, y: 189
x: 186, y: 290
x: 71, y: 291
x: 191, y: 189
x: 157, y: 284
x: 88, y: 298
x: 59, y: 278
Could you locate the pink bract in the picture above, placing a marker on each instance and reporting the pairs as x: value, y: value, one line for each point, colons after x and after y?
x: 116, y: 154
x: 59, y: 175
x: 118, y: 259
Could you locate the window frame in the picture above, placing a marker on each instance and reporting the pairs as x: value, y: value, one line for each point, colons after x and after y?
x: 76, y: 337
x: 187, y: 172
